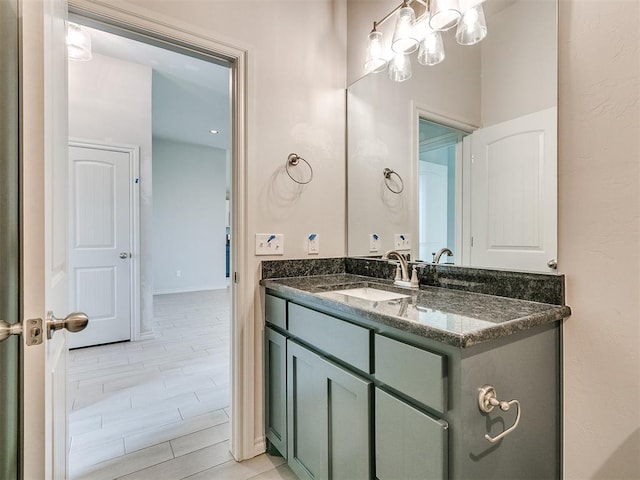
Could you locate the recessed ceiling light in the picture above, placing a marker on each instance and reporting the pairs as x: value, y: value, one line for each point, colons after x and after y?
x: 213, y: 132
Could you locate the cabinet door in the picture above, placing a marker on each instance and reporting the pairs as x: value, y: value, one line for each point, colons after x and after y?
x: 328, y: 418
x: 409, y: 443
x: 276, y: 390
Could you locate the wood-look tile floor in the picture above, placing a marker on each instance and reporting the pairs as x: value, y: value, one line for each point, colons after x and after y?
x: 159, y: 408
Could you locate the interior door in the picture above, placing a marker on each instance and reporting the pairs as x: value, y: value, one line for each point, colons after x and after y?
x: 44, y: 234
x: 433, y: 209
x: 100, y: 242
x: 514, y: 193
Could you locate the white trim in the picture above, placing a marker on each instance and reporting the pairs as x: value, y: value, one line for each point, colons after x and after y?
x: 242, y: 303
x: 147, y: 336
x: 206, y: 288
x: 134, y: 223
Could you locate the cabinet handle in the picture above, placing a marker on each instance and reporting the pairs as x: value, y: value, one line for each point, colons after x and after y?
x: 487, y: 400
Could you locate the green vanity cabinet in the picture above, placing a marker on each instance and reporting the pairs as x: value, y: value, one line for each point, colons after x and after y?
x: 329, y: 418
x: 356, y: 399
x: 275, y: 357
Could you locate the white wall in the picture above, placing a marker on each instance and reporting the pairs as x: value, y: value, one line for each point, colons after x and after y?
x: 189, y: 203
x: 110, y: 102
x: 599, y: 241
x: 519, y: 71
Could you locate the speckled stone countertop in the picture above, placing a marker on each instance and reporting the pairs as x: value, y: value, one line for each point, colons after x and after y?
x: 459, y: 318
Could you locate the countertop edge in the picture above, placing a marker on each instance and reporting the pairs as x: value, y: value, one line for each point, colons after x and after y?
x: 502, y: 330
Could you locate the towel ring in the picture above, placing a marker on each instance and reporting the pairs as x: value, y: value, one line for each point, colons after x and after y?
x: 293, y: 160
x: 387, y: 172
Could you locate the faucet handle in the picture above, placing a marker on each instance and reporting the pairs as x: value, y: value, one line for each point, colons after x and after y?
x: 398, y: 273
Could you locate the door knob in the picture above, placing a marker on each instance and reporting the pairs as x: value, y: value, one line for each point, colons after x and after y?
x: 553, y: 264
x: 124, y: 255
x: 74, y: 322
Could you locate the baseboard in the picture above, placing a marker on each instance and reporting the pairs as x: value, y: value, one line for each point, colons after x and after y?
x: 146, y: 335
x: 259, y: 446
x: 190, y: 289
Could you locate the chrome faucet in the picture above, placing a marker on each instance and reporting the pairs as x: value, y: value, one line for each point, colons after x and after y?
x: 442, y: 251
x: 404, y: 281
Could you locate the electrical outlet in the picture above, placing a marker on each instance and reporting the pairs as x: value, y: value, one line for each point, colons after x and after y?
x: 269, y: 244
x: 313, y: 244
x: 374, y: 242
x: 402, y: 241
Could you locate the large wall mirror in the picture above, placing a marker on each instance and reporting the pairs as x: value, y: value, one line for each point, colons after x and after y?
x: 463, y: 155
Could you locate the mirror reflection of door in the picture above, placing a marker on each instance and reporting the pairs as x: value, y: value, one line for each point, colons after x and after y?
x: 439, y: 151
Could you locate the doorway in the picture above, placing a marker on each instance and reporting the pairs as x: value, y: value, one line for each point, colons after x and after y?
x: 439, y: 161
x: 167, y: 391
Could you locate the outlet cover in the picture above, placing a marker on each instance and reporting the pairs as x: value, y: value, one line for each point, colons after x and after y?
x: 402, y: 241
x: 269, y: 244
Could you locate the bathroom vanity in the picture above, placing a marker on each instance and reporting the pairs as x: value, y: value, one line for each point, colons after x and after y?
x: 367, y: 380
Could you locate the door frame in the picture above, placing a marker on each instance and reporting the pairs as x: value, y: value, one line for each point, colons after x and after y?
x: 246, y: 437
x: 462, y: 185
x: 134, y: 223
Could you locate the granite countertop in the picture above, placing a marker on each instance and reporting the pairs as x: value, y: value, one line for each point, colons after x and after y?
x: 459, y: 318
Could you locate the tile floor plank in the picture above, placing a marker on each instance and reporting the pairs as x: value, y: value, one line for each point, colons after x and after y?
x: 159, y: 408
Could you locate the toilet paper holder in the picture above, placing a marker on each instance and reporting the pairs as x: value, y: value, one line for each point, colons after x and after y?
x: 488, y: 400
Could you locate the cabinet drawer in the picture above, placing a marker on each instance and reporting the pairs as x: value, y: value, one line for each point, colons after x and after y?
x: 275, y: 311
x: 409, y: 443
x: 417, y: 373
x: 343, y: 340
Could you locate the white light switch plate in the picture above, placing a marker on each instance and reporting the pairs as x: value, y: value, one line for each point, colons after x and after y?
x: 374, y: 242
x: 402, y: 241
x: 269, y: 244
x: 313, y: 244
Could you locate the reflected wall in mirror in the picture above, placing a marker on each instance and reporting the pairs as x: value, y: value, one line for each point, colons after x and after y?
x: 490, y: 195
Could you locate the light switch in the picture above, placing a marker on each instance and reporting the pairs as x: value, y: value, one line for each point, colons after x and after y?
x: 313, y: 244
x: 402, y: 241
x: 269, y: 244
x: 374, y: 242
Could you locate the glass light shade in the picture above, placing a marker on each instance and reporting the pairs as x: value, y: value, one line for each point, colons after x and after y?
x: 445, y: 14
x: 404, y: 40
x: 400, y: 68
x: 472, y: 27
x: 78, y: 42
x: 375, y: 61
x: 431, y: 49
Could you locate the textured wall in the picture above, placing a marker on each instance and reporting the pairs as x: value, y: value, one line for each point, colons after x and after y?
x: 599, y: 244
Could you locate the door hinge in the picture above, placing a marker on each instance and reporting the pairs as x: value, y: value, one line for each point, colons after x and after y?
x: 236, y: 277
x: 473, y: 158
x: 472, y: 240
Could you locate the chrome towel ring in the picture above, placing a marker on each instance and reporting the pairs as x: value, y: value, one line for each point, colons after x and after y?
x: 293, y: 160
x: 387, y: 172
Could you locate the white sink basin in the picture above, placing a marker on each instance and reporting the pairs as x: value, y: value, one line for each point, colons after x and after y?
x: 371, y: 294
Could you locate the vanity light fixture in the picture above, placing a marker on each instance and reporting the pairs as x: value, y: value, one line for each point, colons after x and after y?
x: 78, y: 42
x: 423, y: 33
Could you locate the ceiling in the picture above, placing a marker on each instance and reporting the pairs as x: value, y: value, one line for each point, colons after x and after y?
x: 190, y: 96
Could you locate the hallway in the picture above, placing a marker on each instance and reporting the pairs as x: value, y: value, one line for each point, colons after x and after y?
x: 159, y: 408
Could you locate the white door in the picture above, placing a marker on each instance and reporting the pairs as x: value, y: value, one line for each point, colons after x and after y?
x: 514, y: 193
x: 100, y: 242
x: 432, y: 197
x: 44, y: 234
